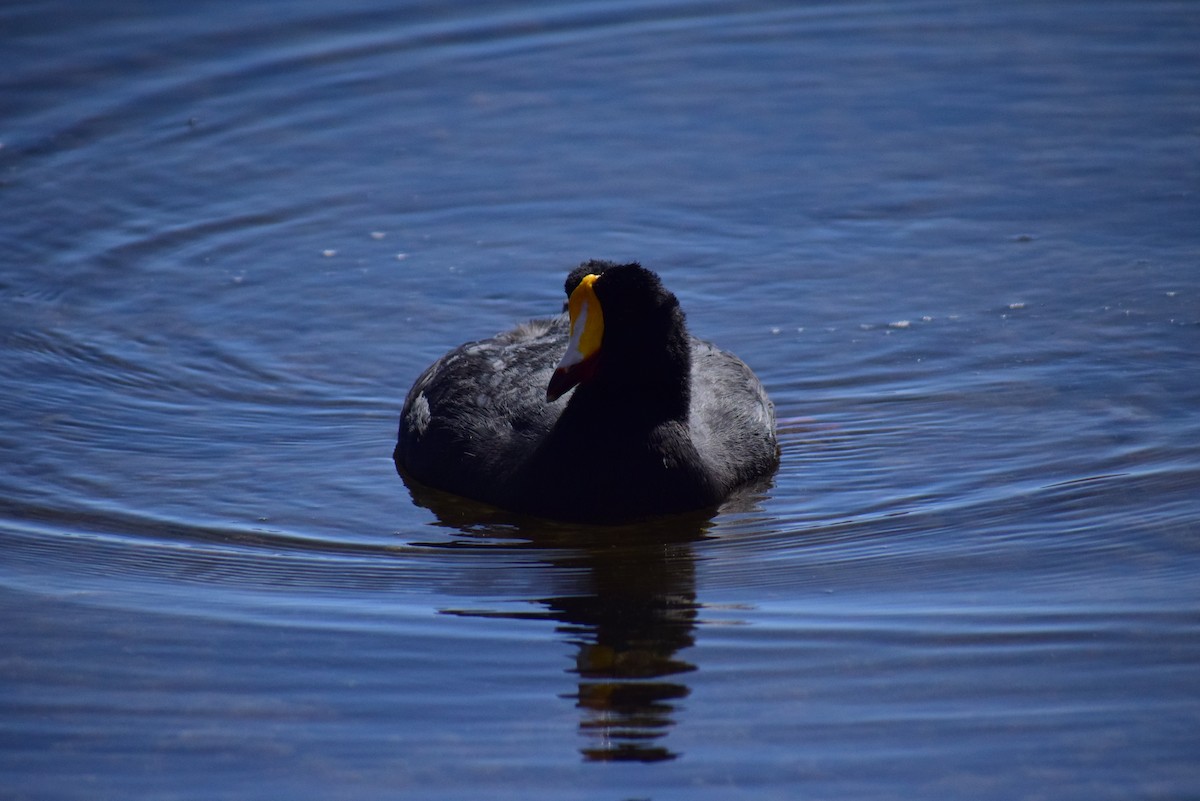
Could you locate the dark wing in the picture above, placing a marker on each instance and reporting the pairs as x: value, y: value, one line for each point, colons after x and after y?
x: 731, y: 418
x: 480, y: 410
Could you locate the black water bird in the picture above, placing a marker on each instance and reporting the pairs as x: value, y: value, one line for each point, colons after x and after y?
x: 659, y: 422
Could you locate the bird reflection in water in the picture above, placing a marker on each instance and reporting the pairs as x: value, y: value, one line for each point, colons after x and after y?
x: 630, y: 610
x: 629, y: 631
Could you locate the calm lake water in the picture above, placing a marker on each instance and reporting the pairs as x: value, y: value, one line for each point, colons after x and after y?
x: 959, y: 242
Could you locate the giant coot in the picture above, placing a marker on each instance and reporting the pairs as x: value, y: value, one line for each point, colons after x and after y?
x: 658, y: 422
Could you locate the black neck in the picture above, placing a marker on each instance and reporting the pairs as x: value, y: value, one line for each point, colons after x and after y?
x: 646, y: 383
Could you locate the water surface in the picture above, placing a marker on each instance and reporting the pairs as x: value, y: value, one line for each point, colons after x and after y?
x: 958, y: 243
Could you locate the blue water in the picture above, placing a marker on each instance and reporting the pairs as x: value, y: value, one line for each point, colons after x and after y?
x: 958, y: 241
